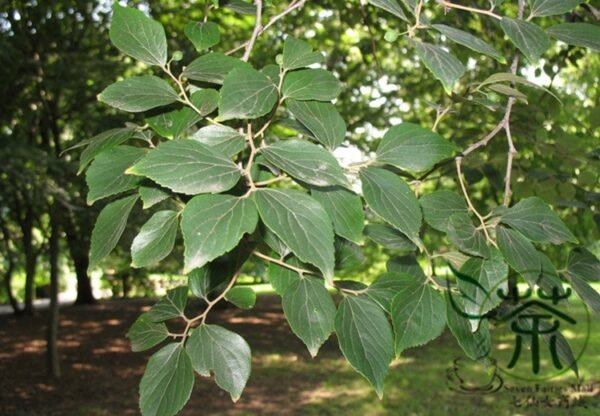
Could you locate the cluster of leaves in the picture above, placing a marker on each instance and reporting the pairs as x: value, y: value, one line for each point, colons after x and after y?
x: 213, y: 162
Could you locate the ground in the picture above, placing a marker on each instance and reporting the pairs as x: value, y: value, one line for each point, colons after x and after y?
x: 101, y: 374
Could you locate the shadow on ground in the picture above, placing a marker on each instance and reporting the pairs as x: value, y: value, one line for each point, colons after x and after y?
x: 101, y: 374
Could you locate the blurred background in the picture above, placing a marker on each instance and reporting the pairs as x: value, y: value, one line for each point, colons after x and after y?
x: 55, y: 57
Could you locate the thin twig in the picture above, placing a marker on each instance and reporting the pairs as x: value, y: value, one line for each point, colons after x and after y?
x: 292, y: 6
x: 256, y: 31
x: 270, y: 259
x: 440, y: 115
x: 469, y: 203
x: 248, y: 168
x: 202, y: 317
x: 270, y: 181
x: 512, y: 151
x: 483, y: 142
x: 185, y: 99
x: 448, y: 5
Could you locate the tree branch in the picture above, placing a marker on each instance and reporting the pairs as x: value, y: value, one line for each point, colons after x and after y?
x: 469, y: 203
x: 256, y: 31
x: 447, y: 5
x: 270, y: 259
x: 295, y: 4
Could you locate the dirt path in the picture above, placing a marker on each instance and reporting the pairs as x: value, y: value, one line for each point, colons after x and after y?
x: 101, y: 374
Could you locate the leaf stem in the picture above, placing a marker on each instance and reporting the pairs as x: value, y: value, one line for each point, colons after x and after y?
x: 257, y: 30
x: 469, y: 203
x: 248, y: 168
x: 185, y: 99
x: 447, y: 5
x: 270, y: 181
x: 270, y: 259
x: 295, y: 4
x: 440, y: 114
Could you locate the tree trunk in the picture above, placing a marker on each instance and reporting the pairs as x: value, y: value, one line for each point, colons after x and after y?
x: 53, y: 315
x: 30, y: 269
x: 10, y: 268
x: 79, y: 251
x: 8, y: 288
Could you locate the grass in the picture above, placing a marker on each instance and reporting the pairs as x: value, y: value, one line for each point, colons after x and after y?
x: 417, y: 384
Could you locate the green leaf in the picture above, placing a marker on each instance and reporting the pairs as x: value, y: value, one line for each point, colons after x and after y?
x: 479, y: 281
x: 241, y: 296
x: 455, y: 258
x: 365, y: 338
x: 310, y: 311
x: 199, y: 282
x: 299, y: 54
x: 167, y: 382
x: 549, y: 278
x: 173, y: 124
x: 138, y: 94
x: 583, y: 264
x: 301, y: 223
x: 470, y: 41
x: 307, y: 162
x: 170, y: 306
x: 151, y: 196
x: 418, y: 314
x: 213, y: 67
x: 393, y: 200
x: 578, y: 34
x: 203, y: 35
x: 282, y: 277
x: 439, y: 206
x: 188, y: 167
x: 345, y: 210
x: 310, y: 84
x: 408, y: 265
x: 106, y: 175
x: 444, y: 66
x: 389, y: 237
x: 467, y: 238
x: 348, y: 255
x: 101, y: 143
x: 138, y: 35
x: 205, y: 100
x: 587, y: 293
x: 533, y: 218
x: 552, y: 7
x: 413, y: 148
x: 109, y: 227
x: 275, y: 242
x: 527, y: 36
x: 216, y: 350
x: 212, y: 225
x: 321, y: 119
x: 247, y: 94
x: 385, y: 287
x: 508, y: 77
x: 509, y: 91
x: 145, y: 334
x: 476, y: 345
x: 155, y: 240
x: 390, y: 6
x: 240, y: 6
x: 222, y: 139
x: 519, y: 253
